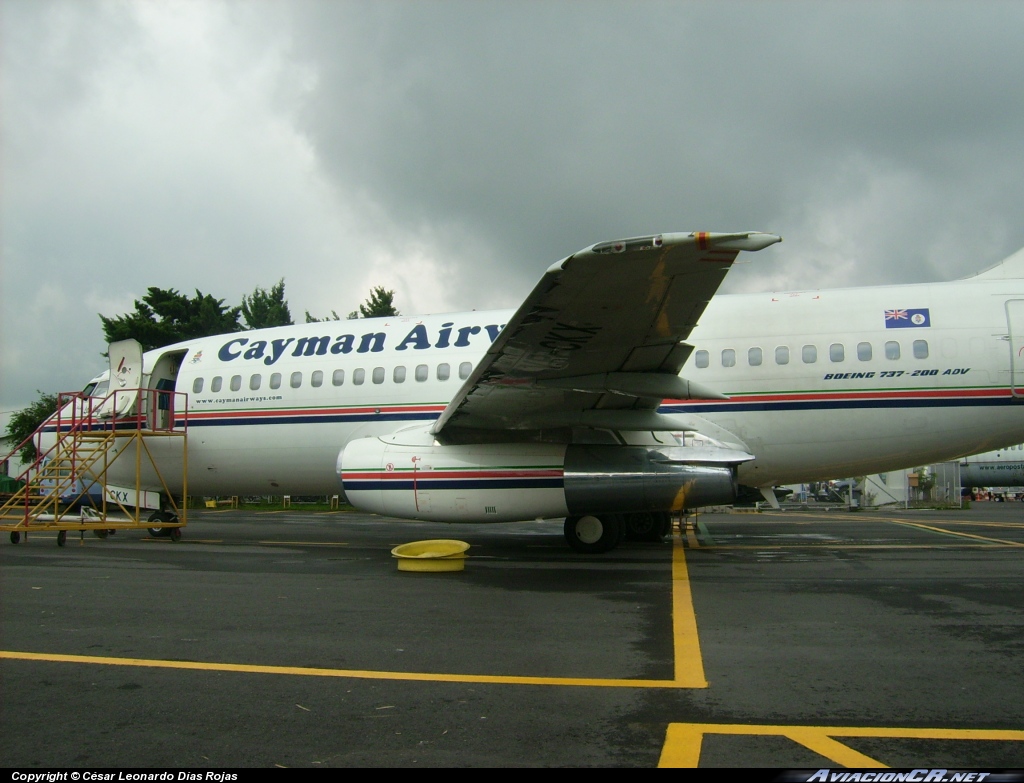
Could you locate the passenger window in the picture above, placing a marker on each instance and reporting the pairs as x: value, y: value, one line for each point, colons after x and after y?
x: 809, y: 354
x: 465, y: 369
x: 378, y: 375
x: 197, y: 385
x: 702, y: 359
x: 836, y: 352
x: 254, y: 381
x: 754, y: 357
x: 782, y: 354
x: 296, y: 380
x: 317, y: 378
x: 399, y: 374
x: 275, y: 380
x: 236, y: 382
x: 892, y: 350
x: 728, y: 357
x: 338, y: 378
x: 215, y: 383
x: 920, y: 349
x: 443, y: 371
x: 864, y: 352
x: 358, y: 376
x: 422, y: 371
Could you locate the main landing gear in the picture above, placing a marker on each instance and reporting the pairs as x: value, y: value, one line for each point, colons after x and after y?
x: 648, y: 525
x: 592, y: 534
x: 596, y: 533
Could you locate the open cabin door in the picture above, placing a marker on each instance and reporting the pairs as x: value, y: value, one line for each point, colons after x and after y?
x: 1015, y: 324
x: 125, y: 377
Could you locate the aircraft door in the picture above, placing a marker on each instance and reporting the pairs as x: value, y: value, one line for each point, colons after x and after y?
x: 1015, y: 324
x: 125, y: 373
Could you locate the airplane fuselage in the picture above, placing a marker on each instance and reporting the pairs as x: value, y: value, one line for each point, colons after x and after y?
x: 820, y: 384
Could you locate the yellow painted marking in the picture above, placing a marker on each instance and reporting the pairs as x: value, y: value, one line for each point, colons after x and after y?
x: 360, y: 674
x: 999, y: 541
x: 682, y: 746
x: 683, y: 740
x: 691, y: 538
x: 831, y: 749
x: 689, y: 666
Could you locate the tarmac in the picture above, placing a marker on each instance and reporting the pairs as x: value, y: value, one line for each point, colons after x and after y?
x: 283, y: 638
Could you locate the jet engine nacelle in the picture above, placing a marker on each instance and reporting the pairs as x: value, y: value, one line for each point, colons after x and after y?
x: 410, y: 475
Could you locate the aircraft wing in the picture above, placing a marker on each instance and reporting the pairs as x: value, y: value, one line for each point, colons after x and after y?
x: 598, y: 342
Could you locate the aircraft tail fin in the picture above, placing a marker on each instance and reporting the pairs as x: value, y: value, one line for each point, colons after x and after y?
x: 1010, y: 267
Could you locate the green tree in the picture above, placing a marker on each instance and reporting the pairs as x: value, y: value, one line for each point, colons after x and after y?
x: 27, y: 420
x: 165, y: 316
x: 310, y: 319
x: 262, y: 308
x: 381, y: 303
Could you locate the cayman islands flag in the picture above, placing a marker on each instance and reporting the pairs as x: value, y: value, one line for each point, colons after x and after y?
x: 907, y: 319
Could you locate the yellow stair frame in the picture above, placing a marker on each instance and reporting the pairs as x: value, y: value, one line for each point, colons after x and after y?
x: 86, y: 447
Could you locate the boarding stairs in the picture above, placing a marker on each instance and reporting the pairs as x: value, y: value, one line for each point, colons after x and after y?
x: 66, y: 487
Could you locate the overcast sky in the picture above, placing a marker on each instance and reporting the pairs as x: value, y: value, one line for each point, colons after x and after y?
x: 452, y: 151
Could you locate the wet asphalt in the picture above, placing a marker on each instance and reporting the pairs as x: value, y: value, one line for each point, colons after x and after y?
x: 291, y: 639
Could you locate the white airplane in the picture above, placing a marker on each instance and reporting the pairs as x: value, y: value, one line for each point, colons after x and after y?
x: 601, y: 399
x: 1000, y: 468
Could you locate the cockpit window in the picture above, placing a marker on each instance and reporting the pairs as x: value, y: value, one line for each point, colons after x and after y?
x: 100, y: 389
x: 87, y: 391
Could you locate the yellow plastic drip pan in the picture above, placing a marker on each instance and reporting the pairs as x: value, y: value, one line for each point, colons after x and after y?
x: 440, y: 554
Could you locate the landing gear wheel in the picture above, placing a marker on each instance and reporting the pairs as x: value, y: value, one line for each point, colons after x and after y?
x: 161, y: 516
x: 647, y: 525
x: 100, y: 533
x: 15, y: 537
x: 62, y: 537
x: 174, y: 533
x: 591, y: 534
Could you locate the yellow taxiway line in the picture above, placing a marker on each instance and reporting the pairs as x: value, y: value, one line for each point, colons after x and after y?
x: 689, y: 665
x: 360, y: 674
x: 683, y: 740
x: 957, y: 534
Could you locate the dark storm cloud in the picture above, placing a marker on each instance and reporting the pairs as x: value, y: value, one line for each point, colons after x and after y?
x: 545, y: 126
x: 453, y: 150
